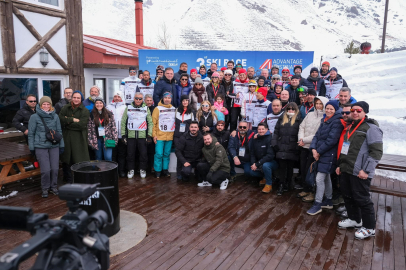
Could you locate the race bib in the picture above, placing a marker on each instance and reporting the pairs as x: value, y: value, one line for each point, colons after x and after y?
x: 260, y: 113
x: 146, y: 89
x: 137, y: 118
x: 101, y: 130
x: 241, y: 89
x: 345, y: 148
x: 249, y: 112
x: 129, y: 90
x: 333, y: 88
x: 166, y: 119
x: 241, y: 151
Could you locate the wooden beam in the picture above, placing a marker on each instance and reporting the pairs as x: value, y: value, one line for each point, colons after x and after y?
x: 38, y: 36
x: 42, y: 71
x: 111, y: 66
x: 388, y: 191
x: 19, y: 176
x: 3, y: 70
x: 4, y: 37
x: 27, y: 56
x: 7, y: 36
x: 39, y: 9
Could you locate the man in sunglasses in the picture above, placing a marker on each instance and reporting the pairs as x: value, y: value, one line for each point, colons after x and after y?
x: 20, y: 120
x: 275, y: 78
x: 285, y: 75
x: 227, y: 83
x: 361, y: 151
x: 308, y: 105
x: 182, y: 70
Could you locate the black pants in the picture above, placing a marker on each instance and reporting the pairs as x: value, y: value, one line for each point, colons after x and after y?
x: 235, y: 114
x: 306, y: 159
x: 286, y: 171
x: 357, y: 199
x: 132, y: 145
x: 218, y: 177
x: 67, y: 173
x: 119, y: 155
x: 186, y: 172
x: 151, y: 153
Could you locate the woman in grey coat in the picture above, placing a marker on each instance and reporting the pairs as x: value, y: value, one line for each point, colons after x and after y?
x: 47, y: 153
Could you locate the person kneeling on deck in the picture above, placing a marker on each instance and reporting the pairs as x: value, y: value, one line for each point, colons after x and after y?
x: 361, y: 151
x: 215, y: 167
x: 163, y: 118
x: 189, y: 150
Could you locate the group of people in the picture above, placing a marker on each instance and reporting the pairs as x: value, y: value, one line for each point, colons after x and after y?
x: 217, y: 120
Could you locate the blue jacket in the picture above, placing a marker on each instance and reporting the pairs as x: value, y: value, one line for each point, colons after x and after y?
x: 314, y: 83
x: 162, y: 86
x: 262, y: 150
x: 293, y: 94
x: 182, y: 91
x: 234, y: 145
x: 89, y: 104
x: 303, y: 108
x: 326, y: 143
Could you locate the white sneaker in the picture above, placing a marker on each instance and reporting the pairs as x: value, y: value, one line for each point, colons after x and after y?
x: 364, y: 233
x: 204, y: 184
x: 224, y: 184
x: 349, y: 223
x: 130, y: 174
x: 143, y: 173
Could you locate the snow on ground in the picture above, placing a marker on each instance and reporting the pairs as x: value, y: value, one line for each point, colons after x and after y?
x: 379, y: 80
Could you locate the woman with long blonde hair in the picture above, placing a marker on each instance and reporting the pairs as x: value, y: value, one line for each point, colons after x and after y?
x: 207, y: 117
x: 285, y: 143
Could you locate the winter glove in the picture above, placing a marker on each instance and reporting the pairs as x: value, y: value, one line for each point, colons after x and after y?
x: 32, y: 152
x: 149, y: 140
x: 124, y: 139
x: 61, y: 150
x: 209, y: 176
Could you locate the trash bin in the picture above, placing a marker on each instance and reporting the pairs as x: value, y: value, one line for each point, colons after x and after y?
x: 105, y: 173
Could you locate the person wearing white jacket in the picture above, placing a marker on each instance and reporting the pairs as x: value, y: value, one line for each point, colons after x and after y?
x: 117, y: 107
x: 307, y: 130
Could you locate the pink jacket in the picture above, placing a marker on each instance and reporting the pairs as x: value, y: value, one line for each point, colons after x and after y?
x: 218, y: 107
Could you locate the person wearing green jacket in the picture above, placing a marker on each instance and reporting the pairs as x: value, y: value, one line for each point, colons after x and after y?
x: 136, y: 129
x: 46, y: 152
x: 215, y: 166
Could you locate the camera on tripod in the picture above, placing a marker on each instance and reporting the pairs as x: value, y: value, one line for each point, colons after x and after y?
x: 73, y: 242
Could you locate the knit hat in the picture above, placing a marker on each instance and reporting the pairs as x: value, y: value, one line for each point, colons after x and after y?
x: 77, y: 91
x: 314, y: 69
x: 295, y: 77
x: 333, y: 103
x: 261, y: 78
x: 311, y: 91
x: 45, y: 99
x: 198, y: 80
x: 277, y: 76
x: 263, y: 91
x: 299, y: 67
x: 193, y: 70
x: 242, y: 71
x: 228, y: 71
x: 333, y: 68
x: 215, y: 74
x: 223, y: 68
x: 362, y: 104
x: 203, y: 66
x: 99, y: 99
x: 275, y: 67
x: 252, y: 82
x: 183, y: 97
x: 326, y: 63
x: 131, y: 68
x: 120, y: 94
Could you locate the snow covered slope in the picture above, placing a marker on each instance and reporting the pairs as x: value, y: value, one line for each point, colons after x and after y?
x: 379, y: 79
x: 324, y: 26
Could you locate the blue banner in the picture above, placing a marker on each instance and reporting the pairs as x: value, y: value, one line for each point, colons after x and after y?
x: 150, y: 59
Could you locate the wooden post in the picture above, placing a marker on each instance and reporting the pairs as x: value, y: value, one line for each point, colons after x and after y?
x: 7, y: 36
x: 384, y: 26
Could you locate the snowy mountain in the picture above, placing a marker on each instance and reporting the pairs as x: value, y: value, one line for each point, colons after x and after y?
x: 323, y: 26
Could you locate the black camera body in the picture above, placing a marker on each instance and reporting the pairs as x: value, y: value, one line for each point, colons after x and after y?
x: 74, y: 242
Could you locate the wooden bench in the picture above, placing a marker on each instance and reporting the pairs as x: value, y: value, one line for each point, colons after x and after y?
x: 392, y: 163
x: 388, y: 186
x: 14, y: 153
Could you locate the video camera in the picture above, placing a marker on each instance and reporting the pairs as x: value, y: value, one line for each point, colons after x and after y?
x: 74, y: 242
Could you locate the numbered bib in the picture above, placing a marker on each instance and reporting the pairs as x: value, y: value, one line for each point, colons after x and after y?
x: 146, y: 89
x: 271, y: 120
x: 249, y: 112
x: 137, y: 118
x: 240, y: 88
x: 260, y: 113
x: 129, y: 90
x: 333, y: 89
x: 167, y: 119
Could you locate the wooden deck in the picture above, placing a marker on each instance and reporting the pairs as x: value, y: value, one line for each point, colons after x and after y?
x: 239, y: 228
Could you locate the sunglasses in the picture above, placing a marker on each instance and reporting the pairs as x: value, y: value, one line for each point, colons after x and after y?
x: 300, y: 89
x: 227, y: 74
x: 133, y: 71
x: 356, y: 110
x: 345, y: 113
x: 31, y: 101
x: 242, y: 127
x: 138, y: 98
x: 160, y: 72
x: 274, y: 79
x: 206, y: 106
x: 183, y: 79
x: 285, y: 72
x: 290, y: 109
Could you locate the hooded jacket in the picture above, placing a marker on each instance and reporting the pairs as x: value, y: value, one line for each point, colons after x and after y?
x: 189, y: 148
x: 165, y: 85
x: 306, y: 108
x: 333, y: 85
x: 314, y: 83
x: 311, y: 123
x: 156, y: 132
x: 182, y: 90
x: 136, y: 134
x: 117, y: 108
x: 284, y: 139
x: 177, y: 75
x: 88, y: 103
x: 261, y: 150
x: 216, y: 156
x: 36, y: 129
x: 20, y: 120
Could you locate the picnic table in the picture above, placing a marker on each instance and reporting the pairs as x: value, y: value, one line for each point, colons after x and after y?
x: 14, y: 153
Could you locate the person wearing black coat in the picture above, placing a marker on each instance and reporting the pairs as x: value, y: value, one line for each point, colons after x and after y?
x: 314, y: 81
x: 292, y: 89
x: 263, y: 157
x: 166, y: 84
x: 189, y: 150
x: 23, y: 115
x: 221, y: 134
x: 285, y: 143
x: 214, y: 88
x: 324, y: 148
x: 227, y: 83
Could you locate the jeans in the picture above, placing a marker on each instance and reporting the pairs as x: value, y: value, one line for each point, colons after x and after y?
x: 218, y: 177
x: 323, y: 182
x: 107, y: 152
x: 48, y: 159
x: 267, y: 168
x: 357, y: 199
x: 244, y: 165
x: 162, y: 153
x: 132, y: 146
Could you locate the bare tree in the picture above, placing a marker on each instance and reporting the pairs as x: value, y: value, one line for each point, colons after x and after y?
x: 164, y: 36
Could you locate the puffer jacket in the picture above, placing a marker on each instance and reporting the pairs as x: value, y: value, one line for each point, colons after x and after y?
x: 325, y: 141
x: 284, y: 139
x: 22, y: 117
x: 314, y: 83
x: 261, y: 150
x: 222, y: 137
x: 311, y: 123
x: 189, y: 148
x: 182, y: 90
x: 235, y: 143
x: 228, y: 88
x: 216, y: 156
x: 136, y: 134
x: 110, y: 130
x: 36, y: 129
x: 366, y: 148
x: 156, y: 132
x: 162, y: 86
x: 58, y: 106
x: 209, y: 121
x: 188, y: 117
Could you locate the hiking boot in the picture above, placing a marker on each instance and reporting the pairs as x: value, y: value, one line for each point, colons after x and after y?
x: 280, y: 190
x: 302, y: 194
x: 205, y: 184
x: 327, y: 204
x: 54, y: 191
x: 298, y: 187
x: 165, y: 173
x: 45, y: 193
x: 315, y: 209
x: 308, y: 198
x: 157, y: 174
x: 143, y: 173
x: 262, y: 182
x: 349, y: 223
x: 338, y: 200
x: 364, y: 233
x: 130, y: 174
x: 224, y: 184
x: 267, y: 189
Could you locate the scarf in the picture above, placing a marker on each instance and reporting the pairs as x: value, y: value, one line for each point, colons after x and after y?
x: 74, y: 106
x: 199, y: 93
x: 183, y: 84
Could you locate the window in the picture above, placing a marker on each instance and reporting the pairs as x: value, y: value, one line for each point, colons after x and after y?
x: 50, y: 2
x: 113, y: 85
x: 47, y: 3
x: 52, y: 89
x: 101, y: 83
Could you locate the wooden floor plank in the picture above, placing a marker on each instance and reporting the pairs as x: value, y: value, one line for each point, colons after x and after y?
x: 398, y: 234
x: 345, y: 251
x: 388, y: 255
x: 377, y: 258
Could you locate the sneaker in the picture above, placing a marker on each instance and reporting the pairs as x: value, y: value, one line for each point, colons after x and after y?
x: 280, y: 190
x: 344, y: 214
x: 130, y: 174
x: 302, y: 194
x: 298, y: 187
x: 45, y: 193
x: 262, y: 182
x: 165, y: 173
x: 349, y: 223
x: 143, y: 173
x: 363, y: 233
x: 338, y: 200
x: 340, y: 209
x: 205, y: 184
x: 327, y: 204
x: 54, y: 191
x: 308, y: 198
x: 157, y: 174
x: 315, y: 209
x: 224, y: 184
x: 267, y: 189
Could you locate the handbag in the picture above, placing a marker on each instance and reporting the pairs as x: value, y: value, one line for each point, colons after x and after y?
x: 110, y: 143
x: 52, y: 135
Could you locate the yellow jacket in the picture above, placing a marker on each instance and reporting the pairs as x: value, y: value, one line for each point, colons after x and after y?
x: 162, y: 136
